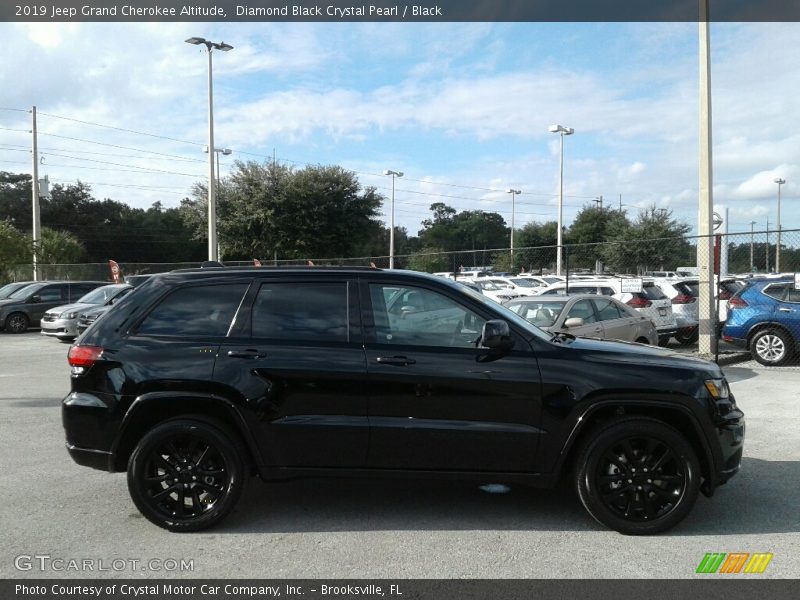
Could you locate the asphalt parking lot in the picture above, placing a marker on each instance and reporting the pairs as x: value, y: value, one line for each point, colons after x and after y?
x: 380, y: 529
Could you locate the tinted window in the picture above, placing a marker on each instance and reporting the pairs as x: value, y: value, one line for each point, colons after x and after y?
x: 582, y: 309
x: 205, y: 310
x: 421, y: 317
x: 607, y: 310
x: 50, y: 293
x: 792, y: 295
x: 582, y: 290
x: 78, y: 290
x: 775, y: 291
x: 313, y: 312
x: 541, y: 314
x: 653, y: 292
x: 99, y: 295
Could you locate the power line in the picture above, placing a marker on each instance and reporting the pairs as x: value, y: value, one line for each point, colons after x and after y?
x: 49, y: 149
x: 153, y: 135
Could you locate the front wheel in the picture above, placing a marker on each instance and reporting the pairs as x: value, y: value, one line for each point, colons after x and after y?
x: 638, y: 476
x: 771, y: 347
x: 186, y: 475
x: 17, y: 323
x: 687, y: 339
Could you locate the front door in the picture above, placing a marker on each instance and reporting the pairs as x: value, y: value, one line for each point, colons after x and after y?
x: 435, y: 403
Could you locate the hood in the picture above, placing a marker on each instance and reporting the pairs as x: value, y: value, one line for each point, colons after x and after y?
x: 77, y: 306
x: 95, y: 311
x: 629, y: 352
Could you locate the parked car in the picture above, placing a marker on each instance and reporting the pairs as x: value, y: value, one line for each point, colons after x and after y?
x: 10, y: 288
x: 62, y: 321
x: 683, y: 294
x: 204, y: 376
x: 651, y: 301
x: 764, y: 317
x: 25, y: 307
x: 586, y: 315
x: 521, y: 286
x: 495, y: 291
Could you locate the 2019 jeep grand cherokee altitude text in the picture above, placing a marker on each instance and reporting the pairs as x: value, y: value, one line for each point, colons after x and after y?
x: 203, y: 377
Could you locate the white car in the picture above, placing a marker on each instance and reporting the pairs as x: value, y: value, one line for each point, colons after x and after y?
x: 651, y: 301
x: 493, y: 290
x: 522, y: 287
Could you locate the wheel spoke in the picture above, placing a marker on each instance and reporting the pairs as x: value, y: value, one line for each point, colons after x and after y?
x: 211, y: 472
x: 158, y: 478
x: 165, y: 491
x: 198, y: 506
x: 164, y: 463
x: 612, y: 457
x: 664, y: 459
x: 606, y: 479
x: 648, y: 505
x: 172, y: 451
x: 181, y: 501
x: 202, y: 456
x: 210, y: 489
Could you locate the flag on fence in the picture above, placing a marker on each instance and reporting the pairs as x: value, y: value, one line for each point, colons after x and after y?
x: 256, y: 262
x: 115, y: 272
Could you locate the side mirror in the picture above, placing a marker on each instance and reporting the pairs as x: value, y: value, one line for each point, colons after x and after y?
x: 573, y: 322
x: 36, y: 298
x: 496, y: 336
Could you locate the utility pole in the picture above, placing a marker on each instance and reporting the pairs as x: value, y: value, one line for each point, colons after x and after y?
x: 37, y: 224
x: 767, y: 253
x: 599, y: 202
x: 752, y: 225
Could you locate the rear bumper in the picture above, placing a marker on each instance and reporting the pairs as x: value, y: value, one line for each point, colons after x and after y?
x: 96, y: 459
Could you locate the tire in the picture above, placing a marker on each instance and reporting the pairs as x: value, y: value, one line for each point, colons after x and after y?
x: 771, y: 347
x: 663, y: 340
x: 688, y: 339
x: 629, y: 499
x: 17, y: 323
x: 642, y: 340
x: 184, y: 459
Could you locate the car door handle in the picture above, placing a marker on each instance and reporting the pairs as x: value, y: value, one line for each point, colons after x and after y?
x: 399, y: 361
x: 246, y: 354
x: 785, y: 310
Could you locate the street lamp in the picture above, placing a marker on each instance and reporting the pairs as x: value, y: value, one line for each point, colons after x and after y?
x: 212, y: 209
x: 513, y: 198
x: 562, y: 131
x: 218, y: 151
x: 394, y: 174
x: 780, y: 182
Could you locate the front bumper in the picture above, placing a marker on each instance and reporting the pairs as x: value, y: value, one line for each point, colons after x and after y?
x: 65, y: 328
x: 730, y: 430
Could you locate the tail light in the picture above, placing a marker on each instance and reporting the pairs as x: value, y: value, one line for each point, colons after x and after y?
x: 736, y: 302
x: 684, y: 299
x: 84, y: 356
x: 639, y: 302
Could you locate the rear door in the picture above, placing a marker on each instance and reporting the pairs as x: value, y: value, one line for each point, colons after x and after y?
x: 617, y: 325
x: 296, y: 357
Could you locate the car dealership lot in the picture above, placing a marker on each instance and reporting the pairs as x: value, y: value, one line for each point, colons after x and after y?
x: 380, y: 529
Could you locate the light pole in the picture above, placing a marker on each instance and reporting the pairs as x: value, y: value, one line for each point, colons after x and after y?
x: 218, y: 151
x: 780, y: 182
x: 394, y: 174
x: 212, y: 209
x: 752, y: 225
x: 513, y: 202
x: 562, y: 131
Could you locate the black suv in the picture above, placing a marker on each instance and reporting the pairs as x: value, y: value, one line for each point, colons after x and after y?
x: 204, y: 377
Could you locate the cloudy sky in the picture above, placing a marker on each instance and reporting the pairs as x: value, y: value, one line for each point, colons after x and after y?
x: 462, y: 109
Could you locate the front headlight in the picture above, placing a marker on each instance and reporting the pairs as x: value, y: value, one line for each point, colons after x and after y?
x: 718, y: 388
x: 69, y: 315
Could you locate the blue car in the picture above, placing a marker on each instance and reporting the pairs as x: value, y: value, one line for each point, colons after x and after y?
x: 764, y: 317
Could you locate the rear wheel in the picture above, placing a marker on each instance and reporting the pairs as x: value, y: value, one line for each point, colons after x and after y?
x: 642, y: 340
x: 663, y: 340
x: 186, y: 475
x: 771, y: 347
x: 637, y: 476
x: 17, y: 323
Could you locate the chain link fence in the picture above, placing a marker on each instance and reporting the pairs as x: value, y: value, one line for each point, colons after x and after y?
x: 765, y: 320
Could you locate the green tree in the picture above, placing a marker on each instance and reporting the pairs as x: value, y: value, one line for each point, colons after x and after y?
x: 15, y: 248
x: 59, y: 247
x: 654, y: 241
x: 535, y: 246
x: 429, y: 259
x: 267, y: 209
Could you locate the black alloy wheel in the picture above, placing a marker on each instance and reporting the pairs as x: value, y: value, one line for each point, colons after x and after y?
x: 638, y: 476
x: 687, y: 339
x: 186, y: 475
x: 17, y: 323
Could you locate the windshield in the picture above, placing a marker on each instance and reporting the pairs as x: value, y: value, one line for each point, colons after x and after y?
x: 10, y: 288
x: 525, y: 282
x: 488, y: 285
x: 541, y: 314
x: 100, y: 295
x: 504, y: 312
x: 552, y: 279
x: 24, y: 292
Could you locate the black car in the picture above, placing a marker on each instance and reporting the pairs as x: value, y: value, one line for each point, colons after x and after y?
x: 12, y: 287
x: 25, y: 307
x: 203, y: 377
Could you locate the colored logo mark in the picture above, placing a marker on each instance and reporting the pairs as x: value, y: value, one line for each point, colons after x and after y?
x: 734, y: 562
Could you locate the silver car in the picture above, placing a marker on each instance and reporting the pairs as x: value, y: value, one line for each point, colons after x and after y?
x: 62, y: 321
x: 586, y: 315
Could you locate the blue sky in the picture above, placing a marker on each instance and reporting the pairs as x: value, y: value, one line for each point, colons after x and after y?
x: 462, y: 109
